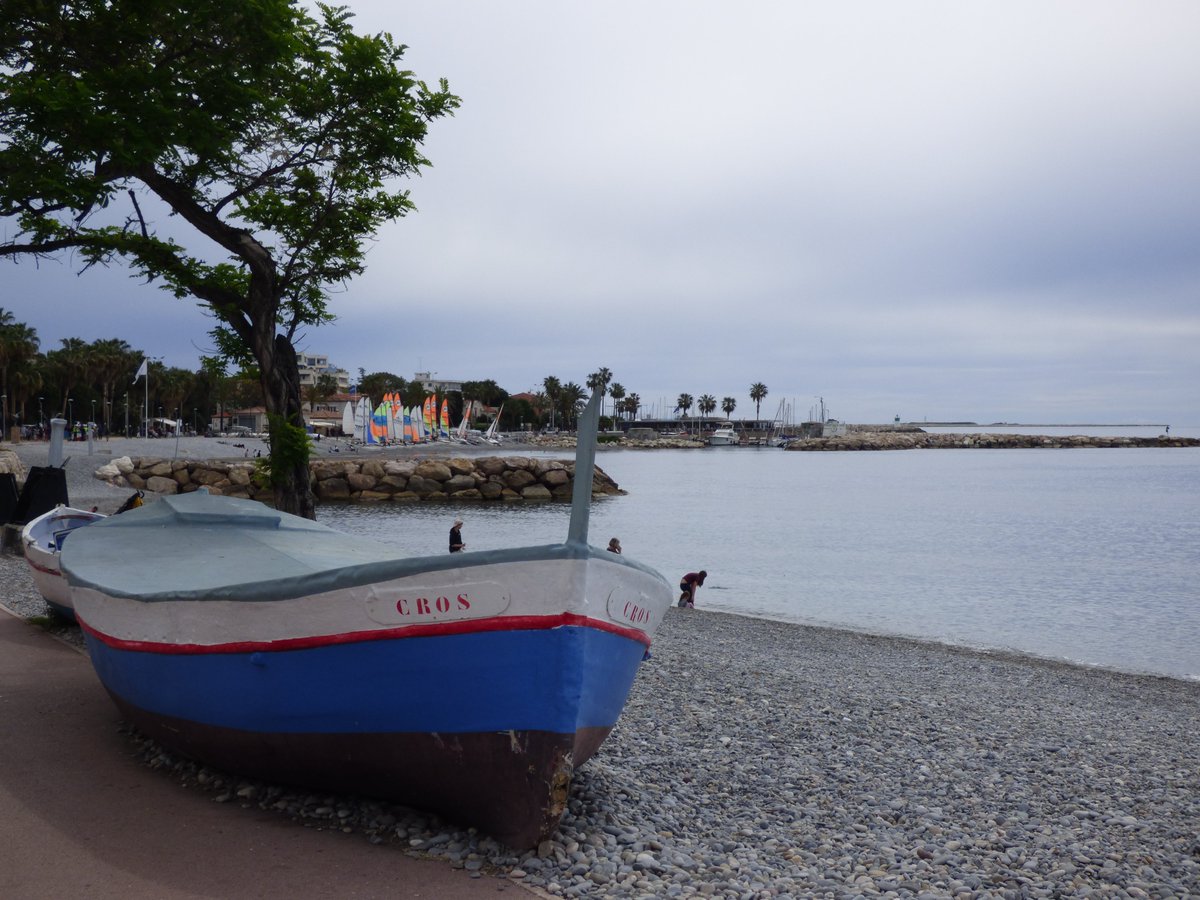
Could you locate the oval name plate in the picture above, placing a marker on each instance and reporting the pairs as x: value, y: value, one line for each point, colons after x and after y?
x: 404, y: 605
x: 630, y: 608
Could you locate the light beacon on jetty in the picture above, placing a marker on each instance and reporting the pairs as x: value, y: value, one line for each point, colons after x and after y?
x: 271, y: 646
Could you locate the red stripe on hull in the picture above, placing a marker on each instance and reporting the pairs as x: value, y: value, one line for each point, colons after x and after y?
x: 470, y: 626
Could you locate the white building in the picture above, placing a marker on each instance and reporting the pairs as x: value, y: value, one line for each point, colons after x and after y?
x: 431, y: 382
x: 313, y: 367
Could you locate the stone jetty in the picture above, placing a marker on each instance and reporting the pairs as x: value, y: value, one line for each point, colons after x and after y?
x: 906, y: 440
x: 505, y: 479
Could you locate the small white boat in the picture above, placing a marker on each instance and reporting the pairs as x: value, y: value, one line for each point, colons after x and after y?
x: 42, y: 540
x: 724, y: 436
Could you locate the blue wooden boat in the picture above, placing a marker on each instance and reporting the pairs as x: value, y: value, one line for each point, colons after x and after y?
x: 470, y: 684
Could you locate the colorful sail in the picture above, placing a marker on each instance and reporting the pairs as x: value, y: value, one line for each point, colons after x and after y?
x: 378, y: 426
x: 427, y: 415
x: 444, y: 424
x: 397, y: 419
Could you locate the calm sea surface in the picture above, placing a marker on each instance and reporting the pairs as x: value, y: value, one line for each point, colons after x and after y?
x: 1082, y: 555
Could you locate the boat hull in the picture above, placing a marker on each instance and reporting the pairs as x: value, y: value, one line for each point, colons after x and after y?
x: 417, y: 720
x: 466, y: 684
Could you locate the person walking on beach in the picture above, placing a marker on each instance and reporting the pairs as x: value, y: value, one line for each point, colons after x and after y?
x: 614, y: 546
x: 687, y: 588
x: 456, y: 541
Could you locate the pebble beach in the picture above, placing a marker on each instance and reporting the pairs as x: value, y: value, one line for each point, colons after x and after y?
x: 762, y: 759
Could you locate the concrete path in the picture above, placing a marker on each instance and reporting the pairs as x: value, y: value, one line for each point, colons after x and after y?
x: 81, y: 817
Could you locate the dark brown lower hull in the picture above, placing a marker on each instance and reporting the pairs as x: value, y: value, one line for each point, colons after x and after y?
x: 511, y: 784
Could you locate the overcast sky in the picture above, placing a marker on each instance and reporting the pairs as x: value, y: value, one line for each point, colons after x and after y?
x: 941, y: 211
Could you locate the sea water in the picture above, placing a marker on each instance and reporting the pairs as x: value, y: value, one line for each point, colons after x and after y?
x: 1084, y: 555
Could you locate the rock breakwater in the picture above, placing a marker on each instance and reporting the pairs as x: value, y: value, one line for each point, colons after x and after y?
x: 506, y: 479
x: 903, y: 440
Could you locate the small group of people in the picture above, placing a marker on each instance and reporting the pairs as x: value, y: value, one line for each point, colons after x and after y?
x: 687, y: 585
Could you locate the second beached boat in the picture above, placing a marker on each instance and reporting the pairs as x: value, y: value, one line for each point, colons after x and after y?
x: 42, y: 540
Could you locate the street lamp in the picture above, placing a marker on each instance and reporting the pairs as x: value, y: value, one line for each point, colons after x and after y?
x: 195, y: 429
x: 93, y: 412
x: 127, y: 414
x: 71, y: 410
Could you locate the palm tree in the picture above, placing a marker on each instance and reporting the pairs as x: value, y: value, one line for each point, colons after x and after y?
x: 598, y: 381
x: 707, y: 403
x: 728, y: 405
x: 553, y: 388
x: 111, y: 362
x: 617, y: 392
x: 569, y: 399
x: 758, y: 392
x: 18, y: 344
x: 633, y: 403
x: 70, y: 364
x: 684, y: 403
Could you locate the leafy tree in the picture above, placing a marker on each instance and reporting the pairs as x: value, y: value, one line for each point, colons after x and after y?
x: 758, y: 393
x: 377, y: 384
x: 518, y: 413
x: 413, y: 394
x: 728, y: 405
x: 486, y: 392
x: 323, y: 387
x: 272, y: 134
x: 706, y: 404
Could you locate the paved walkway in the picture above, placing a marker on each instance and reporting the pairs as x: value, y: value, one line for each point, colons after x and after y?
x: 80, y: 817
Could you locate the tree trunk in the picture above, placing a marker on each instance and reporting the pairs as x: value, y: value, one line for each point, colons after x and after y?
x: 281, y: 390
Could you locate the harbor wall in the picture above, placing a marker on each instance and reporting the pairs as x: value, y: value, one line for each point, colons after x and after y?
x: 507, y: 479
x: 908, y: 440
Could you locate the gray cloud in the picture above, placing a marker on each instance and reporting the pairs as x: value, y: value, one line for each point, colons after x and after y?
x: 926, y: 209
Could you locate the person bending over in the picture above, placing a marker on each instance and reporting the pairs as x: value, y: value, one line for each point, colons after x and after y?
x: 687, y: 588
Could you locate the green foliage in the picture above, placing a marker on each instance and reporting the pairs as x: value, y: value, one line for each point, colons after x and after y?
x: 290, y: 449
x: 276, y: 136
x: 377, y: 384
x: 486, y: 392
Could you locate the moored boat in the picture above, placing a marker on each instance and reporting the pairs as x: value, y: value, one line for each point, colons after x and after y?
x: 42, y: 541
x: 471, y: 684
x: 724, y: 436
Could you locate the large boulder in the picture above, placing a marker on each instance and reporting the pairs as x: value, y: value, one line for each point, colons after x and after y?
x: 161, y: 484
x: 433, y: 470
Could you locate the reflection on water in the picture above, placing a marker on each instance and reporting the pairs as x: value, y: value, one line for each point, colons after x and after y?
x: 1086, y: 555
